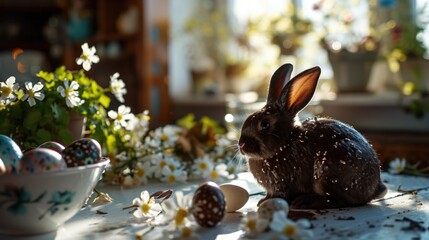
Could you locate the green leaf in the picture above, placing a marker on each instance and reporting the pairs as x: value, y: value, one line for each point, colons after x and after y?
x: 209, y: 122
x: 104, y: 100
x: 32, y: 119
x: 111, y: 144
x: 186, y: 122
x: 65, y: 136
x: 47, y: 76
x: 42, y: 135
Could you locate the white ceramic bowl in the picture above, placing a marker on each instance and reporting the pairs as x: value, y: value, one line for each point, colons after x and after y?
x: 37, y: 203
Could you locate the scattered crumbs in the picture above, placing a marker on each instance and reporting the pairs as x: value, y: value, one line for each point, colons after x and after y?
x: 413, y: 224
x: 370, y: 225
x: 345, y: 218
x: 100, y: 212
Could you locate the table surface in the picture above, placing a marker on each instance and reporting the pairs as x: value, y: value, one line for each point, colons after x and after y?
x: 394, y: 217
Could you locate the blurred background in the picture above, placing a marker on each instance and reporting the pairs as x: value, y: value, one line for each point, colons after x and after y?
x: 215, y: 57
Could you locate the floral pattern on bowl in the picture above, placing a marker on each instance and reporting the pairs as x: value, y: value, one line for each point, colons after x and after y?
x: 38, y: 203
x: 17, y: 198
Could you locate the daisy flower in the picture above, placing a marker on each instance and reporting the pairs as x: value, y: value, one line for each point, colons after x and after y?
x: 219, y: 172
x: 128, y: 181
x: 165, y: 137
x: 397, y: 166
x: 139, y: 124
x: 70, y: 93
x: 121, y: 117
x: 161, y: 160
x: 202, y: 166
x: 173, y: 176
x: 147, y: 208
x: 288, y: 229
x: 185, y: 232
x: 118, y: 87
x: 143, y: 171
x: 177, y: 210
x: 88, y: 57
x: 252, y: 225
x: 33, y: 93
x: 7, y: 88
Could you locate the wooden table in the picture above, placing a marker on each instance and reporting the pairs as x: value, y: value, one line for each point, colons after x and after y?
x: 400, y: 215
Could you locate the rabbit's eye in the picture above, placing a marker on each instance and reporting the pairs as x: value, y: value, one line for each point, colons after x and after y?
x: 265, y: 125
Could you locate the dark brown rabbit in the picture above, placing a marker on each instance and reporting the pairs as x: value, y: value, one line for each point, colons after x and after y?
x: 317, y: 163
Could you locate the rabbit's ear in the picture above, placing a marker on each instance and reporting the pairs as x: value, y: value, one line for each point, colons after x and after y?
x: 299, y: 91
x: 279, y: 79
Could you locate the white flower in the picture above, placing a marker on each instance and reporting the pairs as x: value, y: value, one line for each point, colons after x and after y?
x: 118, y: 87
x: 202, y: 166
x: 397, y: 166
x: 161, y: 160
x: 70, y: 93
x: 220, y: 171
x: 252, y: 225
x: 143, y: 171
x: 128, y: 181
x: 181, y: 233
x: 165, y: 137
x: 88, y: 57
x: 289, y: 229
x: 173, y: 176
x: 33, y: 92
x: 7, y: 88
x: 121, y: 117
x: 177, y: 210
x: 139, y: 124
x: 147, y: 208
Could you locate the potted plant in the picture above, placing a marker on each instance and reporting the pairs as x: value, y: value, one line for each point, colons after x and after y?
x: 408, y: 56
x: 352, y: 46
x: 60, y: 106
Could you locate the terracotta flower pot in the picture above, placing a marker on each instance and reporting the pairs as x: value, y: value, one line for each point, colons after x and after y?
x: 77, y: 125
x: 352, y: 69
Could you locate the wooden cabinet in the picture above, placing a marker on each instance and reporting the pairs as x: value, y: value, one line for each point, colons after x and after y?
x: 119, y: 44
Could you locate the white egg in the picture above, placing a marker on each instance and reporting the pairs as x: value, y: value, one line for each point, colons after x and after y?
x: 236, y: 197
x: 268, y: 207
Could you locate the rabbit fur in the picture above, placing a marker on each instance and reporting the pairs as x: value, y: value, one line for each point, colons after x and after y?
x: 317, y: 163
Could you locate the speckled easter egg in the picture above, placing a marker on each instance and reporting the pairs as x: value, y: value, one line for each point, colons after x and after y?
x: 41, y: 160
x: 10, y: 153
x: 82, y: 152
x: 210, y: 204
x: 57, y: 147
x: 268, y: 207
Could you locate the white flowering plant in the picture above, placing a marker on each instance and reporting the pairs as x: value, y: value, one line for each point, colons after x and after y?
x: 188, y: 150
x: 36, y: 112
x: 402, y: 166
